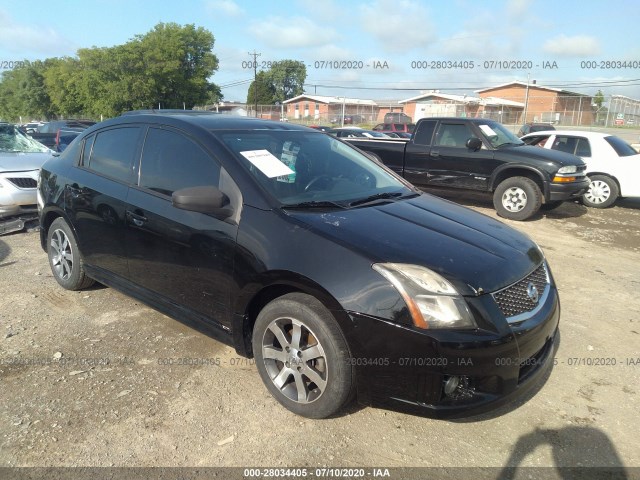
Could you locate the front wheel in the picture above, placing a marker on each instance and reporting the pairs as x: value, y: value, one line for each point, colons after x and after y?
x: 517, y: 198
x: 65, y: 258
x: 602, y: 193
x: 302, y: 356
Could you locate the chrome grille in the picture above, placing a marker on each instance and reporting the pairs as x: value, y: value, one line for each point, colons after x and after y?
x: 24, y: 182
x: 515, y: 300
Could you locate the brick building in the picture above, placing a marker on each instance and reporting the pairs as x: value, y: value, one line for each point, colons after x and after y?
x: 545, y: 104
x: 329, y: 109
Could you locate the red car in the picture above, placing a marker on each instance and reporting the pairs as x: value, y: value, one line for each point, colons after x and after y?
x: 394, y: 127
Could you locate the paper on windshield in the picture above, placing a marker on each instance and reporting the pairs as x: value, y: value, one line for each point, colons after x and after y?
x: 488, y: 131
x: 267, y: 163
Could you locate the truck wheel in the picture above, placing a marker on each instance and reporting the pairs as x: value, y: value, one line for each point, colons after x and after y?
x: 302, y: 356
x: 517, y: 198
x: 603, y: 192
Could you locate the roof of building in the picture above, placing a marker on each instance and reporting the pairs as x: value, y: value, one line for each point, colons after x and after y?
x: 445, y: 96
x: 331, y: 100
x: 531, y: 85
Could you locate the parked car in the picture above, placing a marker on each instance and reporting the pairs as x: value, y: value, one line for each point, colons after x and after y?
x: 322, y: 128
x: 349, y: 119
x: 355, y: 133
x: 613, y: 166
x: 340, y: 277
x: 30, y: 127
x: 20, y: 161
x: 395, y: 127
x: 534, y: 127
x: 48, y: 132
x: 405, y: 135
x: 397, y: 117
x: 480, y: 154
x: 64, y: 137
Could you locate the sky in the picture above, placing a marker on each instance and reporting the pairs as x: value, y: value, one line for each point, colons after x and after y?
x: 375, y: 49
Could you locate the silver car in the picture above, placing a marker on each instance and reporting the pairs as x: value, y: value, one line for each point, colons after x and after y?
x: 20, y: 160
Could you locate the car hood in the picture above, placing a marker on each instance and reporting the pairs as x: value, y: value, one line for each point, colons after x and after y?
x: 475, y: 252
x: 22, y: 162
x: 541, y: 154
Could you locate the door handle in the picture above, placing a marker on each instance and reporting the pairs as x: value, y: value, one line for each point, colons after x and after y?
x: 434, y: 153
x: 136, y: 219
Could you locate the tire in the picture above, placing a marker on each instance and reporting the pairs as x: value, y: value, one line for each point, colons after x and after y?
x: 602, y: 193
x: 65, y: 258
x: 517, y: 198
x: 307, y: 372
x: 551, y: 205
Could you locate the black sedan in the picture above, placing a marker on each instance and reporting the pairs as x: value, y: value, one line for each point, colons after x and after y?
x: 339, y: 277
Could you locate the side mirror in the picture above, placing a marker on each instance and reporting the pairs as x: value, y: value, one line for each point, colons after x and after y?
x: 204, y: 200
x: 474, y: 143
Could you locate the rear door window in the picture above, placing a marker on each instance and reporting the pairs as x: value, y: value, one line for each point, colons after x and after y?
x: 113, y: 152
x: 622, y: 148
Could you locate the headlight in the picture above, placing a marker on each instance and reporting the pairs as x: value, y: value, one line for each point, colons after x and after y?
x: 432, y: 301
x: 568, y: 169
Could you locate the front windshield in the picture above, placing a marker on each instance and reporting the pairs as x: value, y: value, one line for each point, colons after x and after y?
x: 14, y: 141
x: 299, y: 167
x: 498, y: 135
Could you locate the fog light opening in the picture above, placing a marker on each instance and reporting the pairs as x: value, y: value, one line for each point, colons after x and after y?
x: 457, y: 387
x: 450, y: 385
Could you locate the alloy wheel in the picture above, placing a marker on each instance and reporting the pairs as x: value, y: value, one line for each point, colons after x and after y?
x: 295, y: 360
x: 62, y: 258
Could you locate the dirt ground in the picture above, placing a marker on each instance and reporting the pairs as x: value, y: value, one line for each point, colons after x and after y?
x: 94, y: 378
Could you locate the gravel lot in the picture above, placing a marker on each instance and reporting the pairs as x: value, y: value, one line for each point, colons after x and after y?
x: 86, y: 377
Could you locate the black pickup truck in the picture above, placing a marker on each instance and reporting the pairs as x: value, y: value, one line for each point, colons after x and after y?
x: 480, y: 154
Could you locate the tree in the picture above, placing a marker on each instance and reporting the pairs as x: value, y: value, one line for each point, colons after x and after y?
x: 169, y: 66
x: 287, y: 77
x: 284, y: 80
x: 598, y: 99
x: 23, y: 92
x: 266, y: 91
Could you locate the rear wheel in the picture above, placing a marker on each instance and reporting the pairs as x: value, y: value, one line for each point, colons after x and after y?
x: 517, y: 198
x: 302, y: 356
x: 65, y: 258
x: 602, y: 193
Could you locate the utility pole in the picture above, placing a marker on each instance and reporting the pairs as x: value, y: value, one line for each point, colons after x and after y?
x: 255, y: 78
x: 526, y: 100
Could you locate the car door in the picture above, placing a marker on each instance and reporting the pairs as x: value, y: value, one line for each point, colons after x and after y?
x: 96, y: 200
x: 452, y: 164
x: 181, y: 257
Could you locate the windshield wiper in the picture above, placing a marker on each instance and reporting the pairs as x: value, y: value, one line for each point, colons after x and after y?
x: 315, y: 204
x: 377, y: 196
x: 509, y: 143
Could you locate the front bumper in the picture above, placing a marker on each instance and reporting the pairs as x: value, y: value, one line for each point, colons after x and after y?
x: 18, y: 193
x: 567, y: 191
x: 407, y: 370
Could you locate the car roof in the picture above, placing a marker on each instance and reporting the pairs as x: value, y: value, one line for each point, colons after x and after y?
x: 205, y: 120
x: 571, y: 133
x: 462, y: 119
